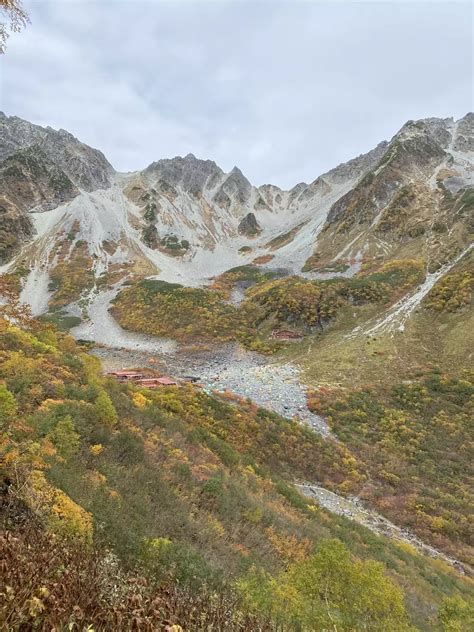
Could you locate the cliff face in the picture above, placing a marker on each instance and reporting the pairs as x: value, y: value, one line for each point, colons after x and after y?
x: 416, y: 201
x: 28, y: 180
x: 249, y: 226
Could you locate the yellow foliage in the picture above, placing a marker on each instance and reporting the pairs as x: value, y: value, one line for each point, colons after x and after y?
x: 158, y: 544
x: 96, y: 478
x: 68, y: 344
x: 288, y: 546
x: 216, y: 525
x: 96, y: 449
x: 62, y: 515
x: 139, y: 400
x: 407, y: 547
x: 439, y: 524
x: 48, y: 448
x: 35, y: 607
x: 254, y: 515
x: 49, y: 403
x: 451, y: 293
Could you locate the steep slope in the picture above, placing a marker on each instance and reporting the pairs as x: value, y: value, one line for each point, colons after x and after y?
x: 40, y: 169
x: 416, y: 202
x: 182, y: 219
x: 86, y: 167
x: 182, y: 492
x: 28, y: 179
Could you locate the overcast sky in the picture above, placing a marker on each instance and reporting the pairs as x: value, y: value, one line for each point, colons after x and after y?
x: 284, y: 90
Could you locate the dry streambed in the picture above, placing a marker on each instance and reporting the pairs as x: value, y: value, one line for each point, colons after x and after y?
x: 354, y: 509
x: 227, y: 368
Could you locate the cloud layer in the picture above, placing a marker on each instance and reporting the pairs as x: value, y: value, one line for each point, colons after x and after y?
x: 284, y: 90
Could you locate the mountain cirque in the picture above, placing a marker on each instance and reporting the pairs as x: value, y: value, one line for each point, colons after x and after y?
x: 371, y: 263
x: 186, y: 221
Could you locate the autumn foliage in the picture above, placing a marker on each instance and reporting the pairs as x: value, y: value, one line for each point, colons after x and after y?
x: 170, y: 494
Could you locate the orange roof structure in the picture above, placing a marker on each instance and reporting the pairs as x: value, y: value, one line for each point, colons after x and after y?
x: 286, y: 334
x: 166, y: 381
x: 126, y: 375
x: 154, y: 382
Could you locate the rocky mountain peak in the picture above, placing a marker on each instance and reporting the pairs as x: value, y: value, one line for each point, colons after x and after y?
x: 465, y: 134
x: 15, y: 133
x: 236, y: 190
x: 192, y: 174
x: 436, y: 129
x: 237, y: 178
x: 86, y: 167
x: 195, y: 202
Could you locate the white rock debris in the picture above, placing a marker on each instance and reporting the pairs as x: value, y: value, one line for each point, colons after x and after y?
x: 353, y: 509
x: 398, y: 314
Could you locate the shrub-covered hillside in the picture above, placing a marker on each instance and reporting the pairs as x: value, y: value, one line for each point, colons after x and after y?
x: 141, y: 509
x: 415, y: 438
x: 206, y: 315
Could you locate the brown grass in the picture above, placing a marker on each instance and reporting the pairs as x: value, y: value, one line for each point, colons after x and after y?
x: 48, y: 584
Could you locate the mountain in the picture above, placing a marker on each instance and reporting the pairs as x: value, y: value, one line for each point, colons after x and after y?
x: 74, y: 227
x: 41, y: 169
x: 416, y: 200
x: 327, y: 332
x: 86, y: 167
x: 51, y: 181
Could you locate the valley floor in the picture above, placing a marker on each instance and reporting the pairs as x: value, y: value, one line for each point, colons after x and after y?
x: 276, y: 387
x: 273, y: 386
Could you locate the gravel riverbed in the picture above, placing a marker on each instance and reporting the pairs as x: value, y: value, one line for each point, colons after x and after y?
x: 354, y: 509
x: 227, y: 368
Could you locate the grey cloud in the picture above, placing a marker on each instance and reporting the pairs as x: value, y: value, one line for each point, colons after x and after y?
x: 284, y: 90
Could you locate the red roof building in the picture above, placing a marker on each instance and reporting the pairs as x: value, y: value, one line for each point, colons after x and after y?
x: 155, y: 382
x: 286, y: 334
x: 166, y: 381
x: 125, y: 376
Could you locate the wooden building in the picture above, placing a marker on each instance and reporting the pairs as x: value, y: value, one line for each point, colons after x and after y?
x: 127, y: 376
x: 156, y: 382
x: 286, y: 334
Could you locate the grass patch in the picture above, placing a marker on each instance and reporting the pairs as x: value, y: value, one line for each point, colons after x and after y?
x: 62, y: 320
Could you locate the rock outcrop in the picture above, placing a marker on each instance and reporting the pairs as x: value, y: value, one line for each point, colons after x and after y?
x: 249, y: 226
